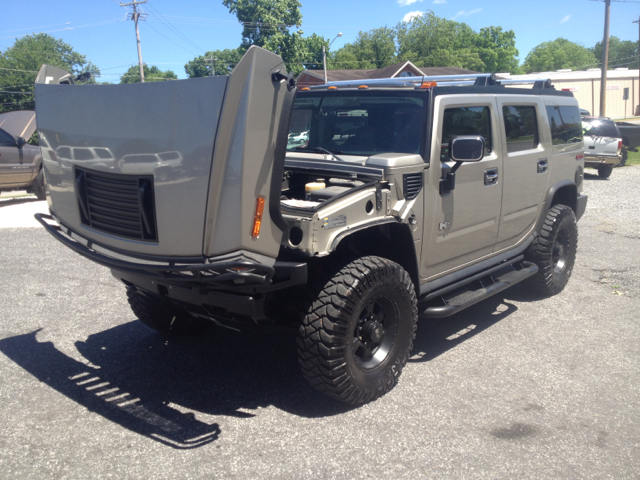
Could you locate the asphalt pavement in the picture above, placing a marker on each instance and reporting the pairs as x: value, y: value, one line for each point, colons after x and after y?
x: 512, y: 388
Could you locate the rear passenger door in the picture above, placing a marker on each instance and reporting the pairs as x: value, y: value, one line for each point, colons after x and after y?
x: 526, y: 166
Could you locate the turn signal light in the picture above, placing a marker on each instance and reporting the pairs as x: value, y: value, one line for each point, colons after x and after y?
x: 429, y: 84
x: 579, y: 157
x: 363, y: 87
x: 257, y: 218
x: 619, y: 144
x: 333, y: 87
x: 304, y: 89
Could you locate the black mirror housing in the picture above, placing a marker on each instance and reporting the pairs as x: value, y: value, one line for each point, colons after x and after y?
x: 467, y: 148
x: 21, y: 142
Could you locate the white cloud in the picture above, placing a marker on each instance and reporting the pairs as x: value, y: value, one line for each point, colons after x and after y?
x: 411, y: 15
x: 463, y: 13
x: 406, y: 3
x: 565, y: 19
x: 439, y: 2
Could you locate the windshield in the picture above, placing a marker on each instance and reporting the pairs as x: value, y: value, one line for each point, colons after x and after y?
x: 358, y: 123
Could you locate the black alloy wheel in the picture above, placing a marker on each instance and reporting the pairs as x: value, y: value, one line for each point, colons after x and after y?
x: 357, y: 334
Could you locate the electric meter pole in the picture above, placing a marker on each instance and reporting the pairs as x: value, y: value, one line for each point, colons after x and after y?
x: 135, y: 16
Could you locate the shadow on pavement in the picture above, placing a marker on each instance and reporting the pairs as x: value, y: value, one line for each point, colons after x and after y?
x: 436, y: 336
x: 151, y: 385
x: 18, y: 201
x: 141, y: 381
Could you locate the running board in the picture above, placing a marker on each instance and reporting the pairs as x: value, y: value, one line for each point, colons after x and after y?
x: 490, y: 284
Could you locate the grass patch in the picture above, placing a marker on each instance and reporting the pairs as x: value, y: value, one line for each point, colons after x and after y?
x: 634, y: 157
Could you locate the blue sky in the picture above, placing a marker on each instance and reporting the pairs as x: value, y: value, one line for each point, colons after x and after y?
x: 177, y: 31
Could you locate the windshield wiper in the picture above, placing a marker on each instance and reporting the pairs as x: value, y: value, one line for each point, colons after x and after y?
x: 324, y: 150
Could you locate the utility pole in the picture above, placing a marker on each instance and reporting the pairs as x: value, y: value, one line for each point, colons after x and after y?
x: 605, y: 59
x: 324, y: 57
x: 637, y: 113
x: 135, y: 16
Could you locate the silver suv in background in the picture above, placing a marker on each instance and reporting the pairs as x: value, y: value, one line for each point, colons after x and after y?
x: 602, y: 144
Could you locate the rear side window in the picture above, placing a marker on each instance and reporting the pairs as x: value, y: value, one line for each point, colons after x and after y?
x: 465, y: 121
x: 566, y: 125
x: 521, y: 128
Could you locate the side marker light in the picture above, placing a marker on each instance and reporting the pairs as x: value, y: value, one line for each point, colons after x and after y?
x: 257, y: 218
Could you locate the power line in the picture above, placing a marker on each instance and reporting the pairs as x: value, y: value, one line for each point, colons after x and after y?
x: 177, y: 45
x: 174, y: 29
x: 105, y: 22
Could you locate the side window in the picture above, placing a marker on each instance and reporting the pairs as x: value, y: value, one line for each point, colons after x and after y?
x: 6, y: 140
x: 521, y: 128
x: 465, y: 121
x: 566, y: 125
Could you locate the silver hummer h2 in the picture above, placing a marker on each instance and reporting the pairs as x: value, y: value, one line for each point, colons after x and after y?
x: 343, y: 211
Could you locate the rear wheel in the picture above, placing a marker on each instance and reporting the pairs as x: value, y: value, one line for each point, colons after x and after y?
x: 163, y: 316
x: 358, y: 333
x: 604, y: 171
x: 554, y: 251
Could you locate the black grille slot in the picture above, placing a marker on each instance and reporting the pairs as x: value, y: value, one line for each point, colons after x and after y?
x: 122, y: 205
x: 411, y: 185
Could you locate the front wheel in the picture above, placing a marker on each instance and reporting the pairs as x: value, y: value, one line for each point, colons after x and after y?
x: 357, y: 335
x: 554, y: 251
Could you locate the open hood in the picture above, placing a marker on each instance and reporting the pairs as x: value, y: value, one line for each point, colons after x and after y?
x: 19, y: 124
x: 171, y: 169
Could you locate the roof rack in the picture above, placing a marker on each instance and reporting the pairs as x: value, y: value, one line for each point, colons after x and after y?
x: 473, y: 79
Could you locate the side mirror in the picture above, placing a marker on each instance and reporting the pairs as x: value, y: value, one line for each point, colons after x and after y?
x: 465, y: 148
x: 21, y: 142
x: 468, y: 148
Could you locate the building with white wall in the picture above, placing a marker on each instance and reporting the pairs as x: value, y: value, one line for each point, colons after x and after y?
x: 585, y: 86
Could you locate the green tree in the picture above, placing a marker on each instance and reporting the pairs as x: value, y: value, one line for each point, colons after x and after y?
x: 21, y: 62
x: 497, y: 49
x: 313, y: 58
x: 216, y: 62
x: 373, y: 49
x: 151, y: 74
x: 559, y: 54
x: 267, y: 24
x: 432, y: 41
x: 621, y: 53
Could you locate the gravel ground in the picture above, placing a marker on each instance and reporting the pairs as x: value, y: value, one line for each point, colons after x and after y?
x: 511, y: 388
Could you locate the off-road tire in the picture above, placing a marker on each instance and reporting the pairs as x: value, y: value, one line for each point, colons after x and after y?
x: 38, y: 186
x: 554, y: 251
x: 604, y: 171
x: 335, y: 354
x: 162, y: 316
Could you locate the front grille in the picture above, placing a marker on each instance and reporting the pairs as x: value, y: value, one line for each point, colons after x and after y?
x: 121, y: 205
x: 411, y: 185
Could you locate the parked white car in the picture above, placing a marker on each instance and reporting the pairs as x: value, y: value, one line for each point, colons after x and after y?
x: 602, y: 144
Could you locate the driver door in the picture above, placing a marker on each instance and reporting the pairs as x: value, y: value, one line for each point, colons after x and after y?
x: 462, y: 225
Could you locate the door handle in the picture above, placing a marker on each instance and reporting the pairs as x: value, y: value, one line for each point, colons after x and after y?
x: 542, y: 165
x: 491, y: 176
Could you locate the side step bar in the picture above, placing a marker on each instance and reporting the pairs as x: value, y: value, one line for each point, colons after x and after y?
x: 453, y: 301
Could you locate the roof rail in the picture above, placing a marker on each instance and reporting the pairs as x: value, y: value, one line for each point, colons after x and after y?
x: 476, y: 79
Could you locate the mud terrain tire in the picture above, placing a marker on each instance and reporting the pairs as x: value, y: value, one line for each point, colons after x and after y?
x: 162, y: 316
x: 358, y: 333
x: 554, y: 251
